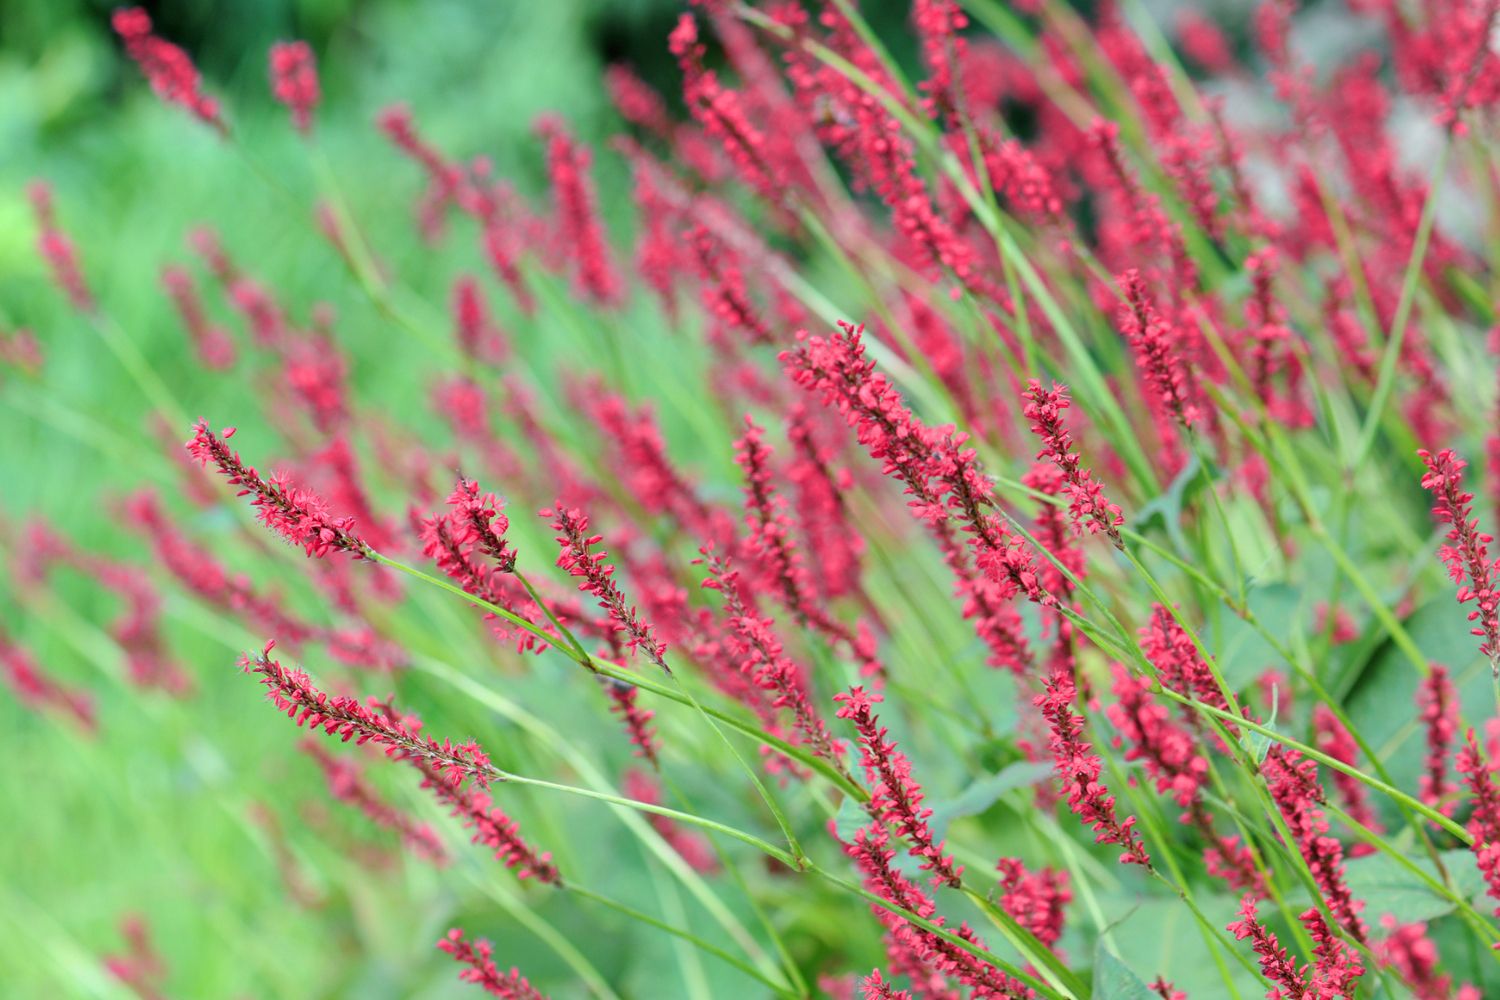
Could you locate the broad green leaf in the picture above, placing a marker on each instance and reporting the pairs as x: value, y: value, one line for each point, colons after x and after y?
x: 1114, y: 980
x: 985, y: 792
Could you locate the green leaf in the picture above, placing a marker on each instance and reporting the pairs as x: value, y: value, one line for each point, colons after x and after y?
x: 985, y: 792
x: 1387, y: 887
x: 1114, y: 980
x: 1243, y: 654
x: 1382, y: 703
x: 1168, y: 506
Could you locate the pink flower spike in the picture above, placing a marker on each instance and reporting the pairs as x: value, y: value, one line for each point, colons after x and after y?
x: 1087, y: 503
x: 1466, y: 555
x: 168, y: 68
x: 1079, y: 767
x: 299, y: 516
x: 57, y: 249
x: 214, y: 347
x: 1275, y: 964
x: 876, y: 987
x: 896, y: 797
x: 577, y: 213
x: 1484, y: 824
x: 579, y: 559
x: 292, y: 691
x: 1155, y: 343
x: 1439, y: 704
x: 347, y: 784
x: 294, y: 81
x: 482, y: 970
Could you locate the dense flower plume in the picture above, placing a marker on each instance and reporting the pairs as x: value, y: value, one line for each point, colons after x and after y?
x: 57, y: 249
x: 294, y: 81
x: 482, y: 970
x: 1467, y: 554
x: 897, y: 797
x: 1087, y: 503
x: 292, y: 691
x: 837, y: 342
x: 597, y: 577
x: 167, y: 67
x: 298, y: 515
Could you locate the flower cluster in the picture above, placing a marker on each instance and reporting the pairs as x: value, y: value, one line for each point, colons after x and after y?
x: 57, y: 249
x: 896, y: 798
x: 299, y: 516
x: 1087, y: 503
x: 482, y: 970
x: 292, y: 691
x: 1078, y: 767
x: 294, y: 81
x: 1484, y: 824
x: 596, y: 576
x: 761, y: 657
x: 1439, y: 710
x: 168, y: 68
x: 347, y: 784
x: 1293, y: 783
x: 1466, y: 555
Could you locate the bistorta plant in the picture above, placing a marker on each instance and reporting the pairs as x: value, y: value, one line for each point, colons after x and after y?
x: 992, y: 513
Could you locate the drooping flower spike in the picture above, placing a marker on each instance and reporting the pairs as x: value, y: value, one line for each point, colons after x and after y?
x: 294, y: 81
x: 1466, y: 555
x: 597, y: 577
x: 298, y: 515
x: 167, y: 67
x: 482, y: 970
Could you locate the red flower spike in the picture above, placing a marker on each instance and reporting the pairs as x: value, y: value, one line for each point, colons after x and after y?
x: 1036, y: 900
x: 1484, y: 824
x: 1078, y: 766
x: 623, y: 702
x: 1439, y: 705
x: 35, y: 689
x: 299, y: 516
x: 941, y: 475
x: 294, y: 81
x: 475, y: 809
x: 347, y: 784
x: 292, y: 691
x: 760, y: 656
x: 482, y: 970
x: 875, y: 987
x: 1414, y: 957
x: 577, y: 214
x: 579, y: 559
x: 1275, y: 964
x: 1293, y: 784
x: 446, y: 184
x: 918, y: 952
x: 897, y: 798
x: 939, y: 25
x: 478, y: 520
x: 721, y: 112
x: 168, y: 68
x: 57, y: 249
x: 1466, y: 555
x: 636, y: 101
x: 1087, y: 503
x: 141, y: 967
x: 1156, y: 347
x: 1333, y: 739
x: 1166, y: 990
x: 214, y: 347
x: 478, y: 336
